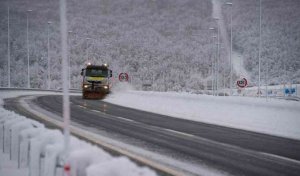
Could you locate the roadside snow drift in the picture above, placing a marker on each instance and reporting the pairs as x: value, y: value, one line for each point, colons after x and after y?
x: 274, y: 117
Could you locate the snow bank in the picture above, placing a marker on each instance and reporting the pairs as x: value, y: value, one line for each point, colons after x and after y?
x: 28, y: 143
x: 275, y: 117
x: 119, y: 87
x: 123, y: 166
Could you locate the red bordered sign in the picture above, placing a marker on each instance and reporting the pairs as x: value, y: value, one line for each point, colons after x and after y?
x: 242, y: 83
x: 123, y: 77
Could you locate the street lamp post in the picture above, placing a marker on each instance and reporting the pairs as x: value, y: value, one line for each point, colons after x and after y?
x: 267, y: 79
x: 8, y: 48
x: 259, y: 50
x: 217, y: 62
x: 70, y: 32
x: 230, y: 81
x: 87, y: 50
x: 66, y: 98
x: 28, y: 71
x: 213, y: 76
x: 48, y: 57
x: 218, y: 56
x: 240, y: 70
x: 214, y: 66
x: 223, y: 79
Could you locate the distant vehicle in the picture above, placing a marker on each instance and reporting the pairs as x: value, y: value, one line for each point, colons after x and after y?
x: 96, y: 81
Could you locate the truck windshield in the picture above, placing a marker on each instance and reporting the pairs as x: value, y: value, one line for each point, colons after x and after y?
x: 96, y: 72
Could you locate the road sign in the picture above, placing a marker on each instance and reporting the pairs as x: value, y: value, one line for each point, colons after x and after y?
x: 123, y: 77
x: 242, y: 83
x: 289, y: 91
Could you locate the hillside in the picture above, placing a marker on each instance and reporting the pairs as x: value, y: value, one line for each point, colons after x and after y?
x: 165, y: 42
x: 153, y: 41
x: 280, y: 38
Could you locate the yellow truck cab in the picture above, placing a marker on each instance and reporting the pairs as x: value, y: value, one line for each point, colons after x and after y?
x: 96, y: 81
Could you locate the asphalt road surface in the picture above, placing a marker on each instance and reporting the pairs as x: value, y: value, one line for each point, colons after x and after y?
x: 237, y: 152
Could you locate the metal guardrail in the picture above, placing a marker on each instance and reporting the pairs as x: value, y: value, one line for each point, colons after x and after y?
x: 18, y: 135
x: 39, y: 148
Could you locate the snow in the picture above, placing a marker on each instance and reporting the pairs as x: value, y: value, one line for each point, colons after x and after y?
x: 46, y: 147
x: 274, y: 117
x: 123, y: 165
x: 8, y: 167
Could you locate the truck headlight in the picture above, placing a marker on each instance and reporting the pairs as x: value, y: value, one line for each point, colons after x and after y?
x: 85, y: 86
x: 105, y: 87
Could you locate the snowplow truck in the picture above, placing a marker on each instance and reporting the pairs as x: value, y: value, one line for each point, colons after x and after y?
x: 96, y: 81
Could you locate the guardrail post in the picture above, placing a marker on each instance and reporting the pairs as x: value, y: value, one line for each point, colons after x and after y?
x: 3, y: 120
x: 7, y: 133
x: 15, y: 137
x: 59, y: 167
x: 52, y: 152
x: 25, y: 137
x: 38, y: 146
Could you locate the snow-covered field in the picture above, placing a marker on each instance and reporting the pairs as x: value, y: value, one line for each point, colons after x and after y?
x: 85, y: 159
x: 272, y: 116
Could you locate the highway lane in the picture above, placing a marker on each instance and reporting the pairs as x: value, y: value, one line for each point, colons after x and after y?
x: 235, y: 151
x: 255, y: 141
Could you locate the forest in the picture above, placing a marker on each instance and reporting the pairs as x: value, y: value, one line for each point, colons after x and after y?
x: 165, y: 43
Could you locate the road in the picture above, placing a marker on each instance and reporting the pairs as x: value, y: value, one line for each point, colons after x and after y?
x: 234, y: 151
